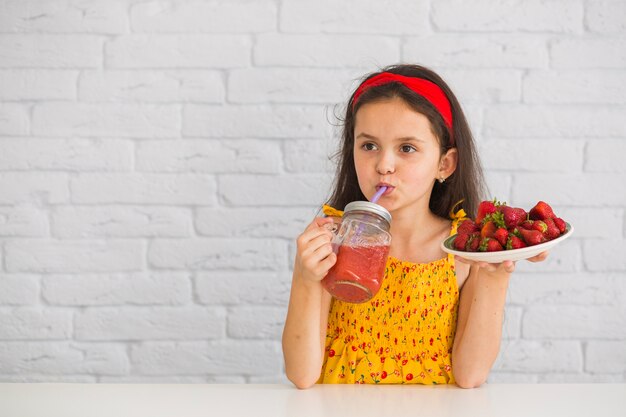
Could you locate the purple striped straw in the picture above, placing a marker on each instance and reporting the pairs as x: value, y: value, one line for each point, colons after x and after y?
x: 379, y: 193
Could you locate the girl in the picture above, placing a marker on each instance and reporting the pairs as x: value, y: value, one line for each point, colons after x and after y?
x: 434, y: 321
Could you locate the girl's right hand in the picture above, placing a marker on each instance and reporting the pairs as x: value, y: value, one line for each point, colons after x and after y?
x: 315, y: 256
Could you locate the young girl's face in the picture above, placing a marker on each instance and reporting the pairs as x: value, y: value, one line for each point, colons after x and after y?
x: 394, y: 145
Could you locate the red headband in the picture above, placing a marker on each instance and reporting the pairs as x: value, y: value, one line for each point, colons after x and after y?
x: 429, y: 90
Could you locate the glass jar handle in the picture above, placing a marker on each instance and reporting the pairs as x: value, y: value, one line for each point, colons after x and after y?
x: 335, y: 225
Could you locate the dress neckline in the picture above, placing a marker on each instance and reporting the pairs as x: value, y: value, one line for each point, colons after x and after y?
x: 440, y: 260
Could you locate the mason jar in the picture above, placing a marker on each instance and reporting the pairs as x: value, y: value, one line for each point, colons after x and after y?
x: 361, y: 243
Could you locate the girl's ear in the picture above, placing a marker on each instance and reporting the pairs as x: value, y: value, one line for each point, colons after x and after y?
x: 448, y: 162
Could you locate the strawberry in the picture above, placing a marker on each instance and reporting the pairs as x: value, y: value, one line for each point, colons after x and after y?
x: 460, y: 241
x: 485, y: 208
x: 514, y: 242
x: 541, y: 211
x: 489, y: 245
x: 513, y: 216
x: 497, y: 218
x: 500, y: 227
x: 473, y: 243
x: 560, y: 223
x: 539, y: 225
x: 552, y: 231
x: 488, y: 229
x: 532, y: 237
x: 467, y: 226
x: 501, y: 235
x: 515, y: 231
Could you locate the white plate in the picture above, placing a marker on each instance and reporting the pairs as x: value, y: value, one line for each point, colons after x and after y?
x: 505, y: 255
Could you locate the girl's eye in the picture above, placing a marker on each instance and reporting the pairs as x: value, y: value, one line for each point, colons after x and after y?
x: 407, y: 148
x: 369, y: 146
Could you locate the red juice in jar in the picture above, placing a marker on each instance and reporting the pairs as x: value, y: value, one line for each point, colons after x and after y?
x: 362, y: 246
x: 358, y: 273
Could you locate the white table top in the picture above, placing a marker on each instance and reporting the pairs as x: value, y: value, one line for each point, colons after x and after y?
x: 190, y: 400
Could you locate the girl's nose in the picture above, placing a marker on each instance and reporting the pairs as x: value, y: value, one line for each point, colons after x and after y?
x: 385, y: 164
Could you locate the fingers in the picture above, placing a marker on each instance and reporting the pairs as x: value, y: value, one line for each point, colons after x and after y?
x: 320, y: 242
x: 509, y: 266
x: 461, y: 259
x: 316, y: 261
x: 488, y: 267
x: 539, y: 258
x: 313, y: 230
x: 327, y: 263
x: 315, y: 253
x: 506, y: 266
x: 320, y: 221
x: 318, y: 264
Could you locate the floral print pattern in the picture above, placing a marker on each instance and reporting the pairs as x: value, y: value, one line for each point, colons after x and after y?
x: 404, y: 335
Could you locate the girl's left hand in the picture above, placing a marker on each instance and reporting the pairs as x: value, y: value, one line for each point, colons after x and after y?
x: 506, y: 266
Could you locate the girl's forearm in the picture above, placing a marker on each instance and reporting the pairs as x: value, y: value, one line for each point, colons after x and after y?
x: 304, y: 332
x: 476, y: 347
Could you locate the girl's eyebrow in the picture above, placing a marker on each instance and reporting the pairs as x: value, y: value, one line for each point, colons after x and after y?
x: 401, y: 139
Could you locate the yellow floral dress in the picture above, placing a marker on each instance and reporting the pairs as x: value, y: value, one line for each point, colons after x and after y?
x: 403, y: 335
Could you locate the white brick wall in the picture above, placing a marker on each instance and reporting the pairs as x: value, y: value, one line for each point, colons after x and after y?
x: 158, y: 158
x: 151, y: 86
x: 560, y: 16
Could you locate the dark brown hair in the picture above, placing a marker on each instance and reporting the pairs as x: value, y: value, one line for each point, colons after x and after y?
x: 466, y: 183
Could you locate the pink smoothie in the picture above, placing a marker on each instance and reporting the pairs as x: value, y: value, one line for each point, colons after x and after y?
x: 358, y: 273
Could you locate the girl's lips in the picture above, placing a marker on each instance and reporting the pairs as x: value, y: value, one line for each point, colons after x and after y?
x: 387, y: 191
